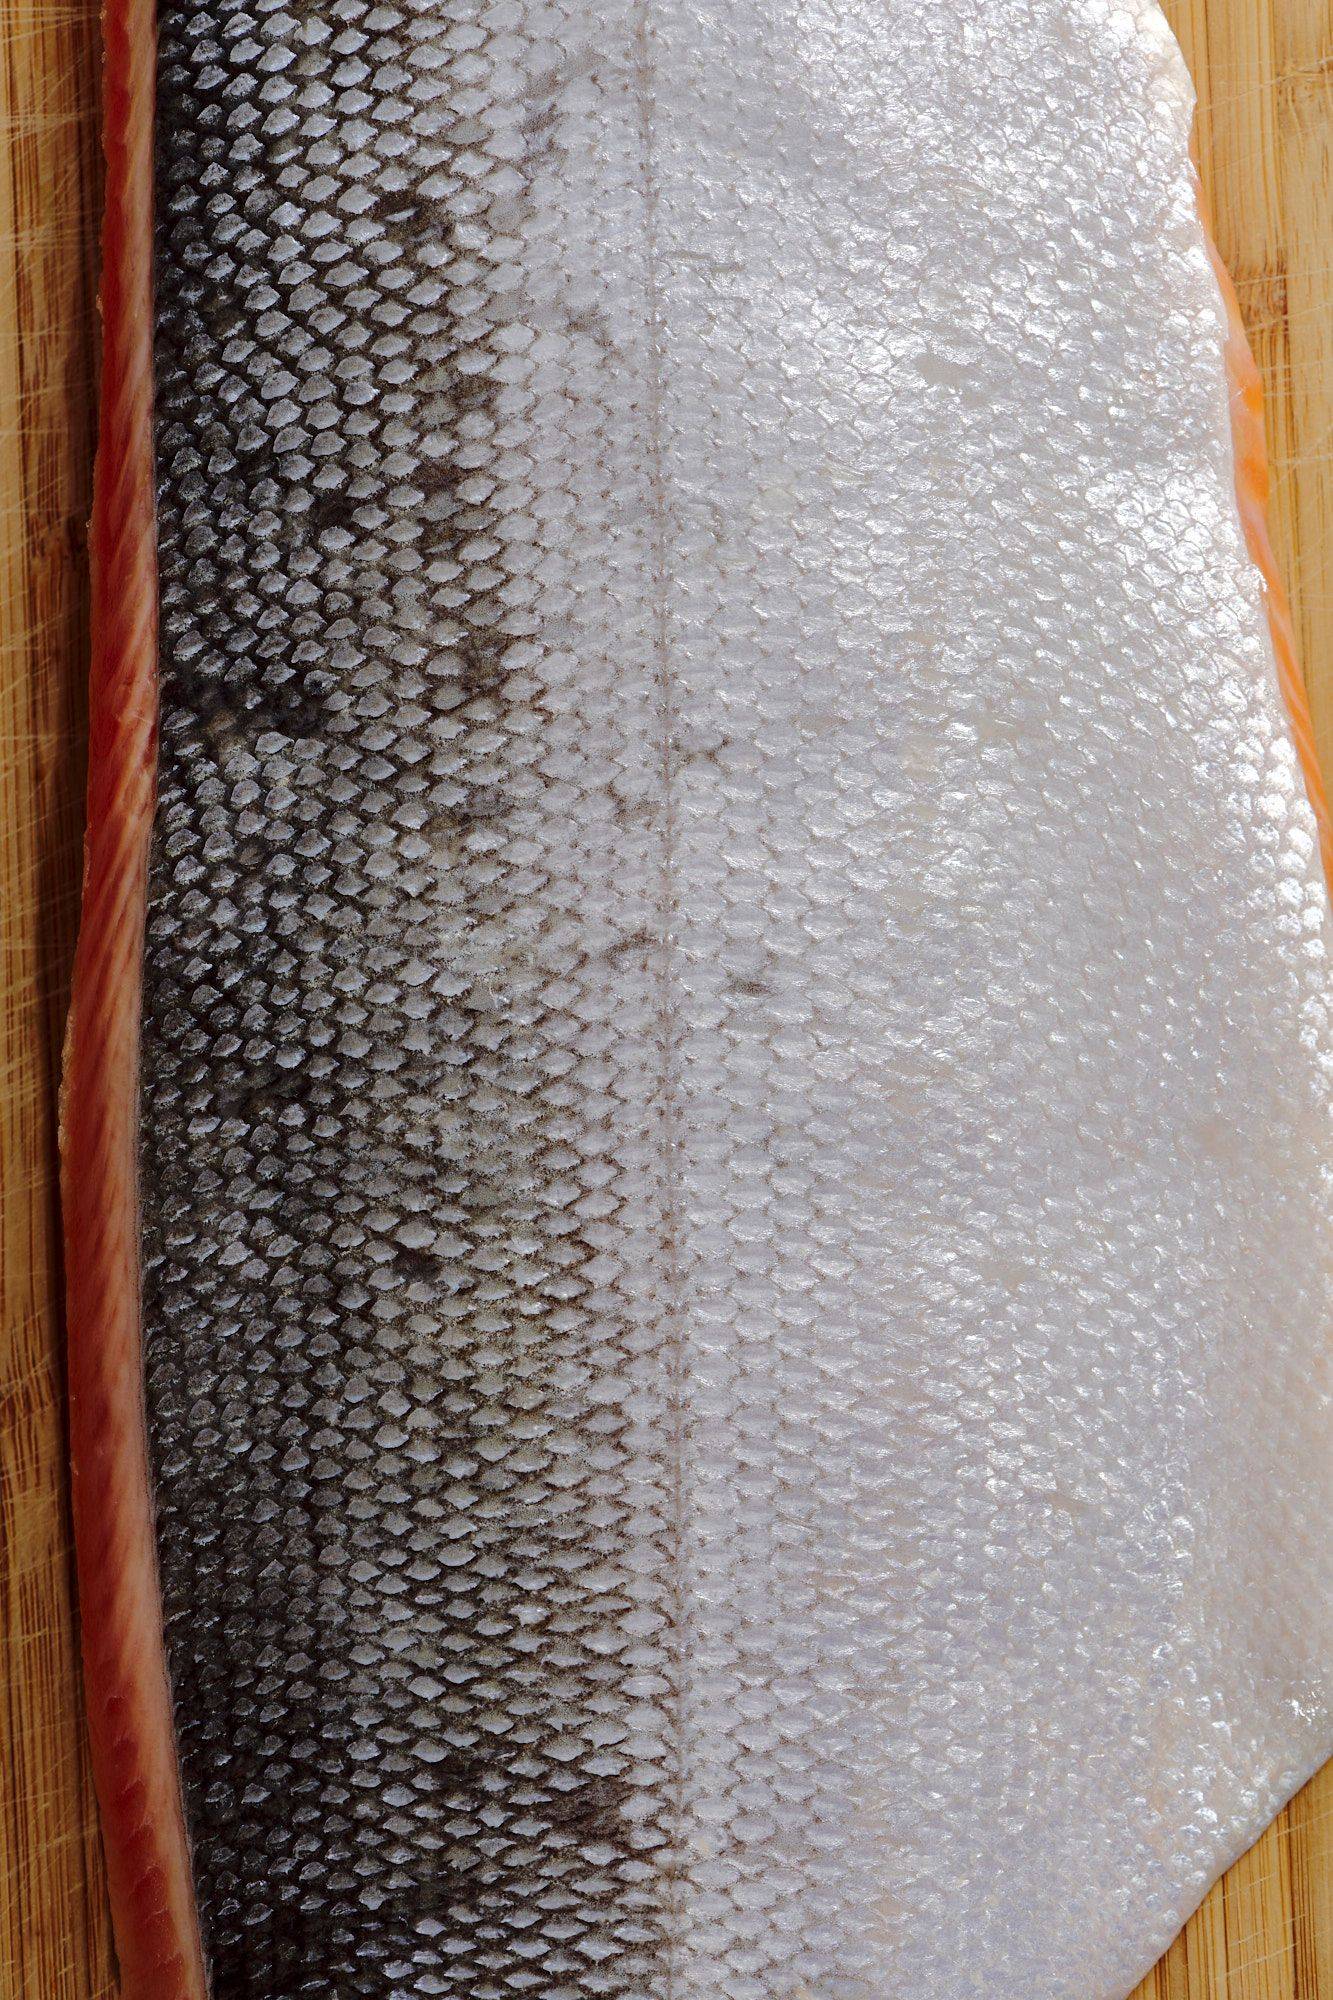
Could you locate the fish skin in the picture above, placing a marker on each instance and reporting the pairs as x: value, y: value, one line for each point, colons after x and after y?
x: 703, y: 1053
x: 409, y: 1354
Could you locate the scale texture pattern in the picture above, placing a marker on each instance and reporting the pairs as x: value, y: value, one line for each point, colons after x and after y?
x: 737, y: 1055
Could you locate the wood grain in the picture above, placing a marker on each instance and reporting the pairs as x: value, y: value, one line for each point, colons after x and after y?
x: 54, y: 1941
x: 1265, y: 74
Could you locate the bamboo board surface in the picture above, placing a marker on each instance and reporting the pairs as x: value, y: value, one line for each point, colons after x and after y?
x: 1265, y: 74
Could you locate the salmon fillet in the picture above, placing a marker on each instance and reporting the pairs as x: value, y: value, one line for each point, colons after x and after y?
x: 697, y: 1110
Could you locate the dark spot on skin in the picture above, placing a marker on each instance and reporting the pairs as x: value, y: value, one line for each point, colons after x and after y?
x: 416, y: 1262
x: 633, y: 947
x: 332, y: 508
x: 231, y: 716
x: 586, y: 1810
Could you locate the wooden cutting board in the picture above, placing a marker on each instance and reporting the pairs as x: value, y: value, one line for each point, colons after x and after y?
x: 1265, y: 75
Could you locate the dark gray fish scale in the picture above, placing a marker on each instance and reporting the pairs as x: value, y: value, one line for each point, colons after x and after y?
x: 738, y: 1020
x: 416, y: 1503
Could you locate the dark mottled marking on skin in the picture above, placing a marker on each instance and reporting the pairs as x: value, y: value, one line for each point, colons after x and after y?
x: 348, y: 1225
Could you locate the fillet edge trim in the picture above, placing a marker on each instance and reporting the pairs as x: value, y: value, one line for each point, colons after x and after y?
x: 127, y: 1694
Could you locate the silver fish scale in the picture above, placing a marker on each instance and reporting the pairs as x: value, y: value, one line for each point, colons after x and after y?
x: 737, y: 1047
